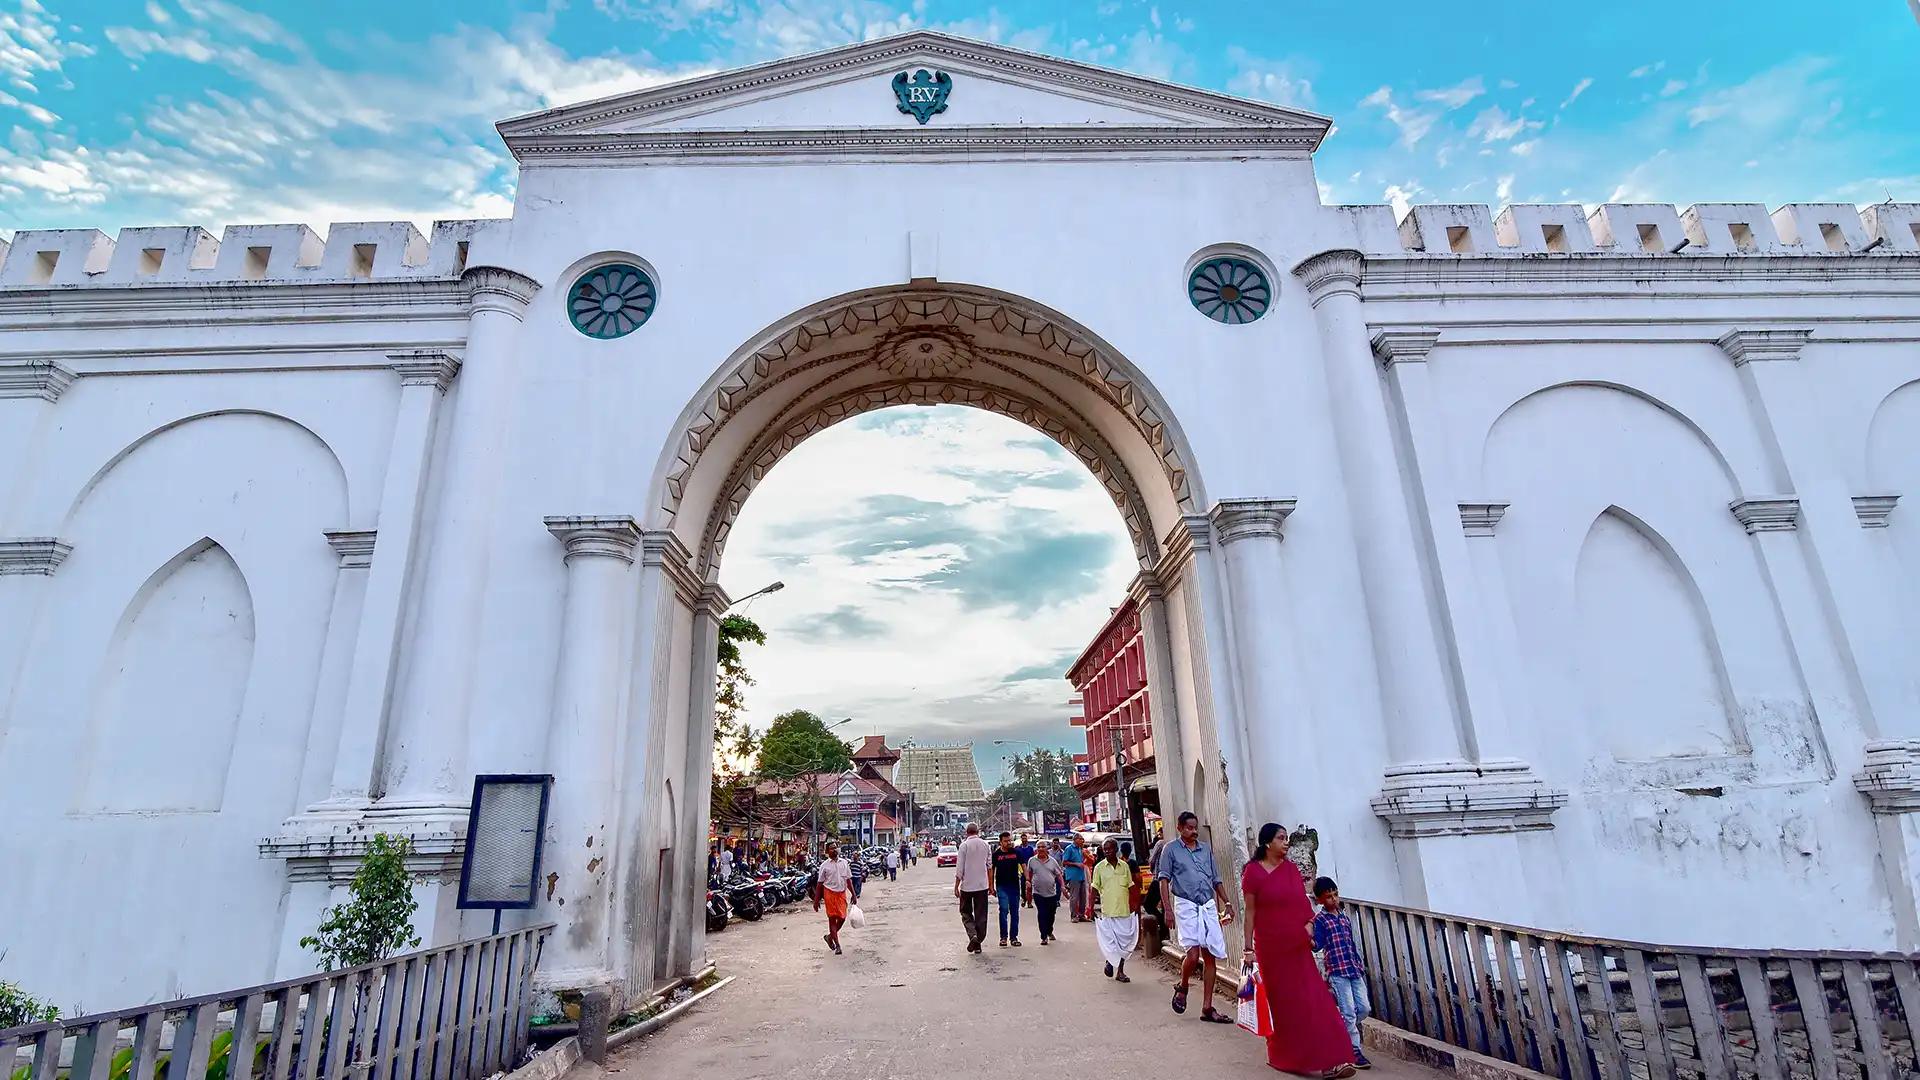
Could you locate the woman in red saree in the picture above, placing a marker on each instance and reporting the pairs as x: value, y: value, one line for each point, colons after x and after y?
x: 1309, y: 1038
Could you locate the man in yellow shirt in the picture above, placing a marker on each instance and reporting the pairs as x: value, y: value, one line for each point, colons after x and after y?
x: 1116, y: 899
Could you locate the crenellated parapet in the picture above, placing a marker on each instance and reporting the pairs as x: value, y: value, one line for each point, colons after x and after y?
x: 190, y: 255
x: 1640, y: 229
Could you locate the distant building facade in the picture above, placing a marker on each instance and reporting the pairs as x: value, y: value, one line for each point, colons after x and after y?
x: 939, y: 774
x: 1110, y: 679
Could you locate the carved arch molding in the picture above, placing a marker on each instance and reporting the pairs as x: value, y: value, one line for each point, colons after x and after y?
x: 926, y: 347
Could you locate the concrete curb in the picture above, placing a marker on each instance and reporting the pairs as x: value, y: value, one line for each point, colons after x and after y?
x: 1443, y: 1057
x: 653, y: 1024
x: 551, y: 1063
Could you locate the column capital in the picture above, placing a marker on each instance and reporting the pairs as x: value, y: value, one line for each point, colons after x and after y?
x: 1890, y: 776
x: 662, y: 549
x: 713, y: 600
x: 1874, y: 510
x: 34, y: 378
x: 1331, y: 273
x: 1745, y: 346
x: 354, y: 546
x: 1244, y: 519
x: 33, y: 555
x: 1465, y: 798
x: 604, y: 537
x: 1145, y: 588
x: 1479, y: 518
x: 1779, y: 513
x: 1193, y: 533
x: 495, y: 288
x: 1408, y: 346
x: 425, y: 367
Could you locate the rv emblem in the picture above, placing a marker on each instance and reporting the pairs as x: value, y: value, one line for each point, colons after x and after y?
x: 923, y: 95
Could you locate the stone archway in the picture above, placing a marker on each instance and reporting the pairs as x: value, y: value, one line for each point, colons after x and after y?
x: 917, y: 344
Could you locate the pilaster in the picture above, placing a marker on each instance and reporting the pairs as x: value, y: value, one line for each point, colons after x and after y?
x: 1149, y: 594
x: 689, y: 945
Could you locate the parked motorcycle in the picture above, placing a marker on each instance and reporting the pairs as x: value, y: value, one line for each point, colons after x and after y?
x: 746, y: 898
x: 718, y: 910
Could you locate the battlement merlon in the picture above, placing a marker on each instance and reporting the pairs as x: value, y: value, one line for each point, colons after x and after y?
x: 395, y: 250
x: 244, y: 254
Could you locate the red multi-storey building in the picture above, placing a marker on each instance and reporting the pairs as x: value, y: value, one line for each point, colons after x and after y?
x: 1111, y: 678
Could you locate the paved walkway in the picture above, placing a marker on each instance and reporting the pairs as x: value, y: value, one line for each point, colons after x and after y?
x: 906, y: 1002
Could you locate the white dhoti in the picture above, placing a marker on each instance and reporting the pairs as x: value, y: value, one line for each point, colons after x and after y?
x: 1117, y: 936
x: 1199, y: 926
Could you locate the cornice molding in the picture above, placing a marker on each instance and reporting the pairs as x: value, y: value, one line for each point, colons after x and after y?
x: 1776, y: 514
x: 1480, y: 518
x: 596, y: 149
x: 1246, y: 519
x: 1874, y: 510
x: 713, y: 601
x: 33, y: 555
x: 354, y: 546
x: 34, y: 378
x: 327, y: 842
x: 1464, y: 798
x: 1749, y: 346
x: 1331, y: 273
x: 1190, y: 536
x: 425, y: 367
x: 1145, y: 588
x: 1890, y: 776
x: 613, y: 537
x: 1392, y: 347
x: 287, y: 300
x: 663, y: 550
x: 919, y: 46
x: 495, y: 288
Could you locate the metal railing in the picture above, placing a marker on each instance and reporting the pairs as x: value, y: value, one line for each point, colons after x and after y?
x: 458, y: 1012
x: 1586, y: 1008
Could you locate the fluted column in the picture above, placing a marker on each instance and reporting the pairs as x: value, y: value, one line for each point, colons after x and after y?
x: 425, y: 768
x: 1163, y: 708
x: 582, y: 736
x: 1279, y: 724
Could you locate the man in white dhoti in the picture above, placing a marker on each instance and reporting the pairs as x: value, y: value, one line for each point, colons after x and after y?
x: 1116, y: 900
x: 1190, y: 888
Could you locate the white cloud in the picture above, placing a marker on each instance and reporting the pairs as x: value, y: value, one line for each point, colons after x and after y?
x: 1504, y: 189
x: 1578, y: 89
x: 1645, y: 70
x: 31, y: 46
x: 1268, y: 80
x: 1455, y: 96
x: 1494, y: 125
x: 1526, y: 148
x: 1413, y: 123
x: 1672, y: 87
x: 38, y: 113
x: 1401, y: 196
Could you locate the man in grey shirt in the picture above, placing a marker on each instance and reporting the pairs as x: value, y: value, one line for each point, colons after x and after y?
x: 1045, y: 877
x: 1190, y: 890
x: 970, y: 884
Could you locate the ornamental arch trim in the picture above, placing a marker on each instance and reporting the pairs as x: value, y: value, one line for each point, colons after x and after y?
x: 923, y: 344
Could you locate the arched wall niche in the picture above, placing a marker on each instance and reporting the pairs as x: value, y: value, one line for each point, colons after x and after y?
x: 923, y: 345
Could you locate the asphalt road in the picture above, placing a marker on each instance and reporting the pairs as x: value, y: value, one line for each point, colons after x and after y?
x: 906, y: 1001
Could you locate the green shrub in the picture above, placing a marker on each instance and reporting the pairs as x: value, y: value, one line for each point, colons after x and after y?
x: 378, y: 921
x: 18, y: 1008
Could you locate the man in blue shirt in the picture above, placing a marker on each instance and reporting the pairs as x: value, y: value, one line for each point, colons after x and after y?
x: 1073, y: 863
x: 1190, y: 888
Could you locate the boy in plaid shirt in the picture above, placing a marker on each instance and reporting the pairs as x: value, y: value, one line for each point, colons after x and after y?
x: 1333, y: 937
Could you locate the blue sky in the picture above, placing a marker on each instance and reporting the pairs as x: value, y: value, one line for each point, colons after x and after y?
x: 148, y: 112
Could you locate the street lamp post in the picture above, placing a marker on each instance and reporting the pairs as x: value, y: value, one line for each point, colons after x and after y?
x: 773, y: 588
x: 1009, y: 802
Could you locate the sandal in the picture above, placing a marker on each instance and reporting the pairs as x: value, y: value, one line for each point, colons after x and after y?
x: 1180, y: 1000
x: 1214, y: 1016
x: 1338, y: 1073
x: 1122, y: 977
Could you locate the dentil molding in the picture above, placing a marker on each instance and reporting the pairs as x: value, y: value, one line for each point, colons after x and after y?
x: 1874, y: 510
x: 1331, y: 273
x: 1464, y: 798
x: 1890, y: 776
x: 1244, y: 519
x: 1778, y: 514
x: 30, y: 378
x: 602, y: 537
x: 33, y: 555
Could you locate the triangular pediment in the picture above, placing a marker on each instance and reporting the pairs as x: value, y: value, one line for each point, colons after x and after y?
x: 846, y: 99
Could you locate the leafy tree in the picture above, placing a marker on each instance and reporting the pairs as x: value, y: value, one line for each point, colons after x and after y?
x: 18, y: 1008
x: 1042, y: 780
x: 798, y: 742
x: 378, y: 921
x: 732, y: 738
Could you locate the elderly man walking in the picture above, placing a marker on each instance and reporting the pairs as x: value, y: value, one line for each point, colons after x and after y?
x: 1190, y: 888
x: 1045, y: 880
x: 970, y: 885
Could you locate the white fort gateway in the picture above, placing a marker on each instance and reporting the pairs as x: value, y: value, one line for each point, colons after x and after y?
x: 1551, y: 564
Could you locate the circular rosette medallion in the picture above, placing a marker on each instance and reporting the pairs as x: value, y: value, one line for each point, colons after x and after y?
x: 928, y: 352
x: 610, y: 301
x: 1229, y: 290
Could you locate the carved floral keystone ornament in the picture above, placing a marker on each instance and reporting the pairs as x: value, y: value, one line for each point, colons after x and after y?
x: 923, y: 95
